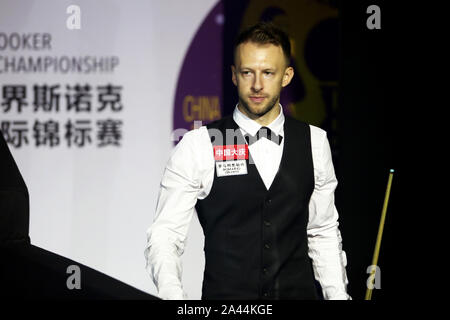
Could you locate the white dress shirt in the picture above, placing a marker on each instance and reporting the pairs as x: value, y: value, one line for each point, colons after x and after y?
x: 189, y: 175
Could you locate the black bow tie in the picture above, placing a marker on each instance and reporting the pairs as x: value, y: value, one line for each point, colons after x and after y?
x: 263, y: 132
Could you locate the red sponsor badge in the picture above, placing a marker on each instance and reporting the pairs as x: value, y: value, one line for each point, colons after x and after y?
x: 231, y: 152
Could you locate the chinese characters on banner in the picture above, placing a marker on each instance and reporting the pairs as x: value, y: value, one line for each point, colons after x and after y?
x: 79, y: 101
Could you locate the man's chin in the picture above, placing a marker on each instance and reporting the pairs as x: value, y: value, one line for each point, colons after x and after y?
x: 257, y: 109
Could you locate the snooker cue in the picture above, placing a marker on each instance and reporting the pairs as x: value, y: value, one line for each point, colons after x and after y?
x: 380, y: 234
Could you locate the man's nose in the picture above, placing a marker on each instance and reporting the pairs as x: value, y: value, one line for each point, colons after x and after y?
x: 257, y: 84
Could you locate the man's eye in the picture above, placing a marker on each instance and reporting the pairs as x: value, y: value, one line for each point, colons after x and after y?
x: 268, y: 72
x: 245, y: 73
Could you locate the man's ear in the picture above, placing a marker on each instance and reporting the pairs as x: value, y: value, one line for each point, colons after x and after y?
x: 287, y: 77
x: 233, y: 75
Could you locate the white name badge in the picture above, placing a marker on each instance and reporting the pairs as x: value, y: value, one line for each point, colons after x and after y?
x: 231, y: 168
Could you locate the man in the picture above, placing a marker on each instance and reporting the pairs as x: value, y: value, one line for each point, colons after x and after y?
x: 264, y: 195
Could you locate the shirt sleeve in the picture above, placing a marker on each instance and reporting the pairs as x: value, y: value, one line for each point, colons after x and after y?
x: 324, y: 238
x: 166, y: 237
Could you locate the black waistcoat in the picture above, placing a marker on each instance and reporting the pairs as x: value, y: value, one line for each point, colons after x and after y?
x: 255, y: 239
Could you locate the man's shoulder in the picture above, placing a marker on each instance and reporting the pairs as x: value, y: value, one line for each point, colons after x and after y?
x: 201, y: 133
x: 302, y: 124
x: 222, y: 122
x: 317, y: 135
x: 317, y: 132
x: 194, y: 134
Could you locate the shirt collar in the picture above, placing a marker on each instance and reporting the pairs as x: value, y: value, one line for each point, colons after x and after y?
x: 251, y: 126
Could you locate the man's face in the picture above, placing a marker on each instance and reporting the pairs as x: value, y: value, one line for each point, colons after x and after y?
x: 260, y: 71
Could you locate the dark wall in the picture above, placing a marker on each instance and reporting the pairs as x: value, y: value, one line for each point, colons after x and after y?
x: 377, y: 132
x: 367, y: 147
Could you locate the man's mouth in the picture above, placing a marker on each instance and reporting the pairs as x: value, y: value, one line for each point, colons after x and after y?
x: 257, y: 99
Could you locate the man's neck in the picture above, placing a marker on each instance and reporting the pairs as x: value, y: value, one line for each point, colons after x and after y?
x: 266, y: 119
